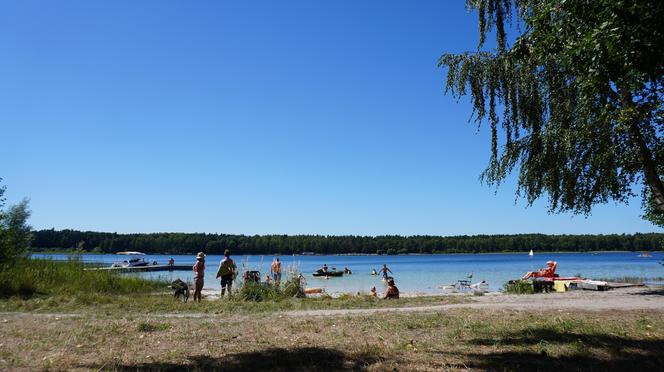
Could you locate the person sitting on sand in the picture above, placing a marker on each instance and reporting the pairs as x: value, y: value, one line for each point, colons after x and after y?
x: 392, y: 291
x: 548, y: 272
x: 372, y: 292
x: 384, y: 270
x: 199, y: 273
x: 226, y: 272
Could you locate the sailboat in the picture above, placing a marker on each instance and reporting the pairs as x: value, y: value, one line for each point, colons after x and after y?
x: 530, y: 254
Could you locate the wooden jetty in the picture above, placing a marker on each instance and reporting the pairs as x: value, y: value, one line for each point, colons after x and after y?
x: 127, y: 269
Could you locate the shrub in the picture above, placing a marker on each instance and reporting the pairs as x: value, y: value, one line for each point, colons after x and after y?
x: 518, y: 287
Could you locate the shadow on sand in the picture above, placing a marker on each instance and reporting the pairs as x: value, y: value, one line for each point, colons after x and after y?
x: 274, y: 359
x: 614, y: 353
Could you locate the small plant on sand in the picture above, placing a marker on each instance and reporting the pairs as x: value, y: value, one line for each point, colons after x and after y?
x: 152, y: 327
x: 518, y: 287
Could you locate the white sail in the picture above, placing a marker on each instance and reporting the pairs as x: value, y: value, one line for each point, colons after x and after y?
x: 531, y: 253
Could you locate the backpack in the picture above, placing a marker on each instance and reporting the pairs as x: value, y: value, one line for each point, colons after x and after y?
x: 226, y: 267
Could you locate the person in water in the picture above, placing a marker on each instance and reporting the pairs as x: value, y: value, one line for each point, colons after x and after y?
x: 324, y: 268
x: 276, y: 270
x: 199, y: 273
x: 384, y: 270
x: 392, y: 291
x: 227, y: 271
x: 374, y: 272
x: 171, y: 262
x: 347, y: 271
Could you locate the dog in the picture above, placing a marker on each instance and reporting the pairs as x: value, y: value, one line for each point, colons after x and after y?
x: 181, y: 289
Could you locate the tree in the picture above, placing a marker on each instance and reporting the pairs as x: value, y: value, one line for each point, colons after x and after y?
x: 14, y: 231
x: 575, y: 103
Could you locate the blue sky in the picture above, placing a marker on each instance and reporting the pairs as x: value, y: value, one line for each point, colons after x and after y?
x: 253, y: 117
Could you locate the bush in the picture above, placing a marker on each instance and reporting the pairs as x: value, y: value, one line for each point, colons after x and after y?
x: 258, y: 292
x: 518, y: 287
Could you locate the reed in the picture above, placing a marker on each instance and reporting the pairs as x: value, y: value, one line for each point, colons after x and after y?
x: 30, y: 277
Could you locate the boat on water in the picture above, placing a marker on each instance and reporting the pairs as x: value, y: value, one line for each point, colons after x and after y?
x: 531, y: 254
x: 334, y: 273
x: 132, y: 262
x: 131, y: 253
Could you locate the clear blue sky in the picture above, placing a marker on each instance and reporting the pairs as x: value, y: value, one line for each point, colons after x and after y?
x: 252, y: 117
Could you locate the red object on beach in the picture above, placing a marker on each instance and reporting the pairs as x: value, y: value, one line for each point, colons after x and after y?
x: 548, y: 272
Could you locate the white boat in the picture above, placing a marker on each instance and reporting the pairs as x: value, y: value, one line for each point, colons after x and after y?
x: 531, y: 254
x: 132, y: 253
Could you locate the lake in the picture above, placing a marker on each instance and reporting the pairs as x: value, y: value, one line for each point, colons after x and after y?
x: 413, y: 273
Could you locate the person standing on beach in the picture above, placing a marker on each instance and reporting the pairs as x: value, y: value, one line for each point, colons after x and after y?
x: 226, y: 272
x: 199, y: 273
x: 276, y: 271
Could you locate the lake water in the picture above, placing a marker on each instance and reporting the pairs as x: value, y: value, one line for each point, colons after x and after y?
x: 412, y: 273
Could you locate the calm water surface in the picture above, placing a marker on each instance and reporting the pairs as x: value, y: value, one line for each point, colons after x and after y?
x: 412, y: 273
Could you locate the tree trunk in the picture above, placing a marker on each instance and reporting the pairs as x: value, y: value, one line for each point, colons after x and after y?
x: 649, y: 166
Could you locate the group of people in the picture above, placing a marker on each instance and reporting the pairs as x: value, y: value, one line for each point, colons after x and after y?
x: 227, y: 272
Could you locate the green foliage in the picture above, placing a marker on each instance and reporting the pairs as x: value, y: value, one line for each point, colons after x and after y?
x: 181, y: 243
x: 26, y: 278
x: 14, y: 229
x: 15, y: 233
x: 259, y: 292
x: 518, y: 287
x: 576, y: 99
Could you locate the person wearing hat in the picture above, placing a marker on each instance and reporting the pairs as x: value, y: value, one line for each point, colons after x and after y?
x: 392, y: 291
x: 227, y: 271
x: 199, y: 273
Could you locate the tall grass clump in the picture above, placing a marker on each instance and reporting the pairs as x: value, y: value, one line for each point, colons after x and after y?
x: 258, y: 292
x: 28, y: 277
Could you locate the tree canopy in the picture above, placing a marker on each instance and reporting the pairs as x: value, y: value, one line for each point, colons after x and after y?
x: 190, y: 243
x: 574, y: 103
x: 15, y: 233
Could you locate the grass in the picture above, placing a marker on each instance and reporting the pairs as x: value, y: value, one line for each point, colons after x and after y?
x: 30, y: 278
x: 57, y: 286
x: 460, y: 339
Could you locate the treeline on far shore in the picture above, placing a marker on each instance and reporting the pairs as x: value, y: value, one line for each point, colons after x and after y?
x: 188, y: 243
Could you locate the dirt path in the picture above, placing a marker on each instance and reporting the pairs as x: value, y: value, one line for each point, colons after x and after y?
x: 618, y: 299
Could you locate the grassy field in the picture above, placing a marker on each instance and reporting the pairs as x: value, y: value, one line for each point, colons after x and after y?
x: 56, y: 286
x: 56, y: 316
x: 455, y: 340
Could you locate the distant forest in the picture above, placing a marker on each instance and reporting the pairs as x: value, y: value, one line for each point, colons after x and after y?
x: 190, y: 243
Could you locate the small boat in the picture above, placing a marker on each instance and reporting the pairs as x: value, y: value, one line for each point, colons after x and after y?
x: 531, y: 254
x: 328, y: 273
x: 131, y: 253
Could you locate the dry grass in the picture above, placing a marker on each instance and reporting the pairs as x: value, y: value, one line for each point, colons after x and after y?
x: 164, y: 303
x: 456, y: 340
